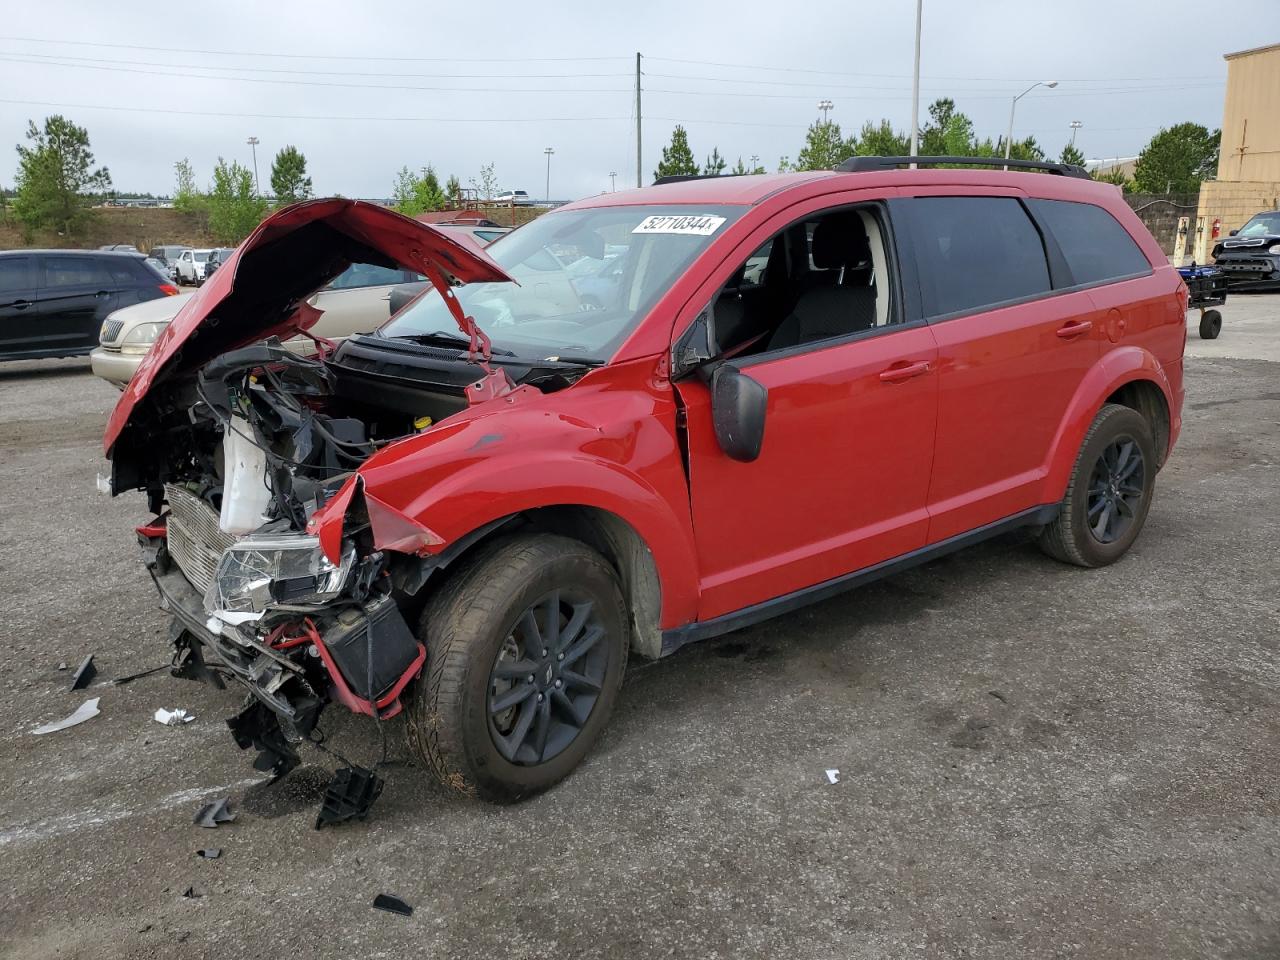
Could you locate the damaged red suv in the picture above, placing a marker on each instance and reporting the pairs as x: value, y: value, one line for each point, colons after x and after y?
x: 641, y: 420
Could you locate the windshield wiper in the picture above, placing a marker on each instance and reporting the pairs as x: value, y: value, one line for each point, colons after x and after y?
x: 447, y: 337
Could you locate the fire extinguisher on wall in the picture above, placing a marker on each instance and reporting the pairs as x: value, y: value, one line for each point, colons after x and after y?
x: 1217, y: 228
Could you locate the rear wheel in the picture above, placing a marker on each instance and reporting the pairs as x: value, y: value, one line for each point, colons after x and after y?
x: 526, y: 648
x: 1109, y: 492
x: 1210, y: 325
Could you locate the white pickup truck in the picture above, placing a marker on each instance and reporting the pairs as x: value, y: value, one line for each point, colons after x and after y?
x: 190, y: 267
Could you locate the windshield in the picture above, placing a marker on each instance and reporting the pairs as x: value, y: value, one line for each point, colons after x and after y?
x: 202, y: 256
x: 1263, y: 225
x: 585, y: 278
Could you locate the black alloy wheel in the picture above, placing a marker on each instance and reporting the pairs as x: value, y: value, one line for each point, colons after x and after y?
x: 547, y: 678
x: 1116, y: 489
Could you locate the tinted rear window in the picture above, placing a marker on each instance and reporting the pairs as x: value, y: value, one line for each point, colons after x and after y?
x: 974, y: 252
x: 13, y: 273
x: 74, y: 272
x: 1094, y: 244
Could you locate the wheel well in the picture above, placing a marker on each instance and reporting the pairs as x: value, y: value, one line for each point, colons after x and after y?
x: 1148, y: 400
x: 611, y: 537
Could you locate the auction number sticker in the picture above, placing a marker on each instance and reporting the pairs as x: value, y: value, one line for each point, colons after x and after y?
x: 690, y: 226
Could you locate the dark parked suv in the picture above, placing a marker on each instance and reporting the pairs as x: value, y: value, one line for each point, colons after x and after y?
x: 53, y: 302
x: 1250, y: 257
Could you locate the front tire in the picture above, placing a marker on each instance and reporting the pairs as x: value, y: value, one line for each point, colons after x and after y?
x: 526, y: 649
x: 1109, y: 492
x: 1210, y: 325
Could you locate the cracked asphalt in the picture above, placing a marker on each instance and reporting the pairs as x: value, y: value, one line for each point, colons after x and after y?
x: 1035, y: 761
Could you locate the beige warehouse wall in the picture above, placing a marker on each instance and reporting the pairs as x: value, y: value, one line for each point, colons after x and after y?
x: 1251, y: 116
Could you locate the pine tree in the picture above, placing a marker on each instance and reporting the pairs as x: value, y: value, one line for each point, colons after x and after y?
x: 677, y: 158
x: 715, y: 164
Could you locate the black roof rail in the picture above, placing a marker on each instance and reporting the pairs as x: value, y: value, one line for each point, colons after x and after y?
x: 866, y: 164
x: 681, y: 177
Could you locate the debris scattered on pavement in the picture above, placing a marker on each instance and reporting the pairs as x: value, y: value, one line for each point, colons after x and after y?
x: 86, y: 711
x: 385, y: 901
x: 212, y: 814
x: 189, y: 893
x: 62, y: 665
x: 84, y: 674
x: 121, y: 681
x: 173, y: 718
x: 210, y: 853
x: 350, y: 794
x: 998, y: 695
x: 833, y: 776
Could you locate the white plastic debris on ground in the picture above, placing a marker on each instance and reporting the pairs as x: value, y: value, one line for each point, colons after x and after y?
x: 833, y: 776
x: 86, y: 711
x: 173, y: 718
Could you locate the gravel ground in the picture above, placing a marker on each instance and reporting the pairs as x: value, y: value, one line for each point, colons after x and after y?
x: 1036, y: 761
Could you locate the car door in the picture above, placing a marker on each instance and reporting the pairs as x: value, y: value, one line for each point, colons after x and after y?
x: 356, y: 301
x: 842, y: 475
x: 76, y: 293
x: 1013, y: 348
x: 19, y: 326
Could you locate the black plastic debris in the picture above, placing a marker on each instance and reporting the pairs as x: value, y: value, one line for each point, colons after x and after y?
x: 256, y: 726
x: 350, y: 794
x: 212, y: 814
x: 210, y: 853
x: 84, y: 674
x: 385, y: 901
x: 189, y: 893
x: 191, y: 665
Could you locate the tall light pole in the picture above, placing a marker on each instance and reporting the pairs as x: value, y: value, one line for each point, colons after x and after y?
x: 613, y: 181
x: 1075, y: 125
x: 755, y: 161
x: 548, y: 152
x: 915, y: 88
x: 825, y: 107
x: 253, y: 142
x: 1008, y: 139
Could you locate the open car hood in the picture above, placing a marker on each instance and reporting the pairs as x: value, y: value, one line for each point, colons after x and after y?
x: 260, y: 290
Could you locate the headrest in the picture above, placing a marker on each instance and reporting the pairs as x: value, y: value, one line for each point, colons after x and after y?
x: 840, y: 241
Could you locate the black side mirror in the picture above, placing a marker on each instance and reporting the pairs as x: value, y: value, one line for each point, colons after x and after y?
x: 738, y: 406
x: 1232, y: 233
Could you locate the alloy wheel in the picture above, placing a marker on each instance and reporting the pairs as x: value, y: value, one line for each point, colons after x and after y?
x: 1115, y: 490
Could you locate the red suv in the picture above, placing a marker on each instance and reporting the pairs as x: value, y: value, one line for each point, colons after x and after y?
x: 779, y: 387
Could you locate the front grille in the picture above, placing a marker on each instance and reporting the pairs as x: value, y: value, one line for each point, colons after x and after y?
x: 196, y: 543
x: 1246, y: 265
x: 110, y: 330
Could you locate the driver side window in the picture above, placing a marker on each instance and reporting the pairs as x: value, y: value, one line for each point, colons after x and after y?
x: 822, y: 278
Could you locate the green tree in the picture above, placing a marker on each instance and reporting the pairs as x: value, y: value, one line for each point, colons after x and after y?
x: 234, y: 207
x: 880, y: 140
x: 785, y: 165
x: 933, y: 135
x: 677, y: 158
x: 488, y: 182
x: 715, y: 164
x: 1072, y: 154
x: 1177, y: 160
x: 1116, y: 176
x: 56, y: 180
x: 289, y: 180
x: 187, y: 197
x: 417, y: 194
x: 453, y: 190
x: 741, y: 168
x: 823, y: 148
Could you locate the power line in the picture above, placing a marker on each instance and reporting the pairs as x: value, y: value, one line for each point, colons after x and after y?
x: 755, y: 95
x: 284, y: 116
x: 856, y: 88
x: 312, y: 56
x: 311, y: 83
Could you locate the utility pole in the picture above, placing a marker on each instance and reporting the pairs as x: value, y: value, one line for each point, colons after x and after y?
x: 638, y: 152
x: 1075, y: 125
x: 548, y: 152
x: 253, y: 142
x: 613, y: 181
x: 915, y: 88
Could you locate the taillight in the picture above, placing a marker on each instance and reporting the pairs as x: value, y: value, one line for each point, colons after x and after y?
x: 168, y: 289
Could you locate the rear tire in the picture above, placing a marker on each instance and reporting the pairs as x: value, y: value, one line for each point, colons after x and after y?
x: 1210, y: 325
x: 1109, y: 492
x: 514, y: 695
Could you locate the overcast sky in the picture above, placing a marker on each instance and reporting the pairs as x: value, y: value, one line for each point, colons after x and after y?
x: 364, y: 88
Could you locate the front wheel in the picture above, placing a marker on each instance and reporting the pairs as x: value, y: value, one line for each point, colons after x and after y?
x: 1210, y: 325
x: 526, y: 648
x: 1109, y: 492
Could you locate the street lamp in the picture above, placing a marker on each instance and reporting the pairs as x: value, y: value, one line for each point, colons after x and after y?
x: 613, y: 181
x: 1008, y: 140
x: 755, y: 160
x: 1075, y: 125
x: 915, y: 89
x: 253, y: 142
x: 825, y: 106
x: 548, y: 152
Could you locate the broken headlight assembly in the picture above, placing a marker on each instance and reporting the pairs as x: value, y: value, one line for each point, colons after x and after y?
x: 277, y: 570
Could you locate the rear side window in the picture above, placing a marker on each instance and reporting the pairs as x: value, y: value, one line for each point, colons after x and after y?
x: 975, y: 252
x: 1094, y: 244
x: 13, y: 274
x: 73, y: 272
